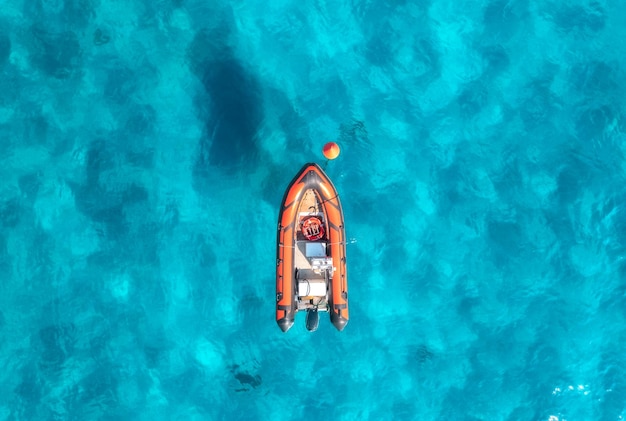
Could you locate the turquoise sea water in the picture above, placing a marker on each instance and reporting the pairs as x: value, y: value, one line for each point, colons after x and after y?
x: 144, y: 150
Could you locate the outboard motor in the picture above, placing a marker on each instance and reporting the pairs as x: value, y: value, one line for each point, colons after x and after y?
x: 312, y: 319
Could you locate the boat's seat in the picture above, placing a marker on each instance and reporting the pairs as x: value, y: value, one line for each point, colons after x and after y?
x: 310, y: 284
x: 311, y: 287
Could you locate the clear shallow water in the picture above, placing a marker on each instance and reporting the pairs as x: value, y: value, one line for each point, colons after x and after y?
x: 145, y: 148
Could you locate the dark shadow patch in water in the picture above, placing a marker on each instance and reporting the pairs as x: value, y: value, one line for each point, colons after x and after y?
x: 101, y: 36
x: 577, y: 17
x: 423, y: 354
x: 121, y: 84
x: 12, y: 85
x: 236, y: 110
x: 252, y: 308
x: 10, y: 213
x: 378, y: 50
x: 597, y: 142
x: 141, y: 120
x: 571, y: 180
x: 105, y: 203
x: 143, y: 158
x: 472, y: 99
x: 29, y: 184
x: 99, y: 159
x: 58, y: 343
x: 99, y: 342
x: 594, y: 122
x: 69, y: 14
x: 28, y: 394
x: 55, y: 54
x: 595, y: 77
x: 36, y: 127
x: 540, y: 104
x: 94, y: 393
x: 103, y: 207
x: 467, y: 305
x: 496, y: 58
x: 156, y: 352
x: 428, y: 56
x: 230, y: 105
x: 455, y: 183
x: 79, y: 13
x: 505, y: 238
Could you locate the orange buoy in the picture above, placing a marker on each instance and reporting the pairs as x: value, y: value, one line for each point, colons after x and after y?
x: 331, y: 150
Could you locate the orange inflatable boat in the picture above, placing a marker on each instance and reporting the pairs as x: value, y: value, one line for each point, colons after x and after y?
x: 311, y: 253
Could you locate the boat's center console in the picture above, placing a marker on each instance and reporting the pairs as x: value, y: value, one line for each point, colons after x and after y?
x: 320, y: 264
